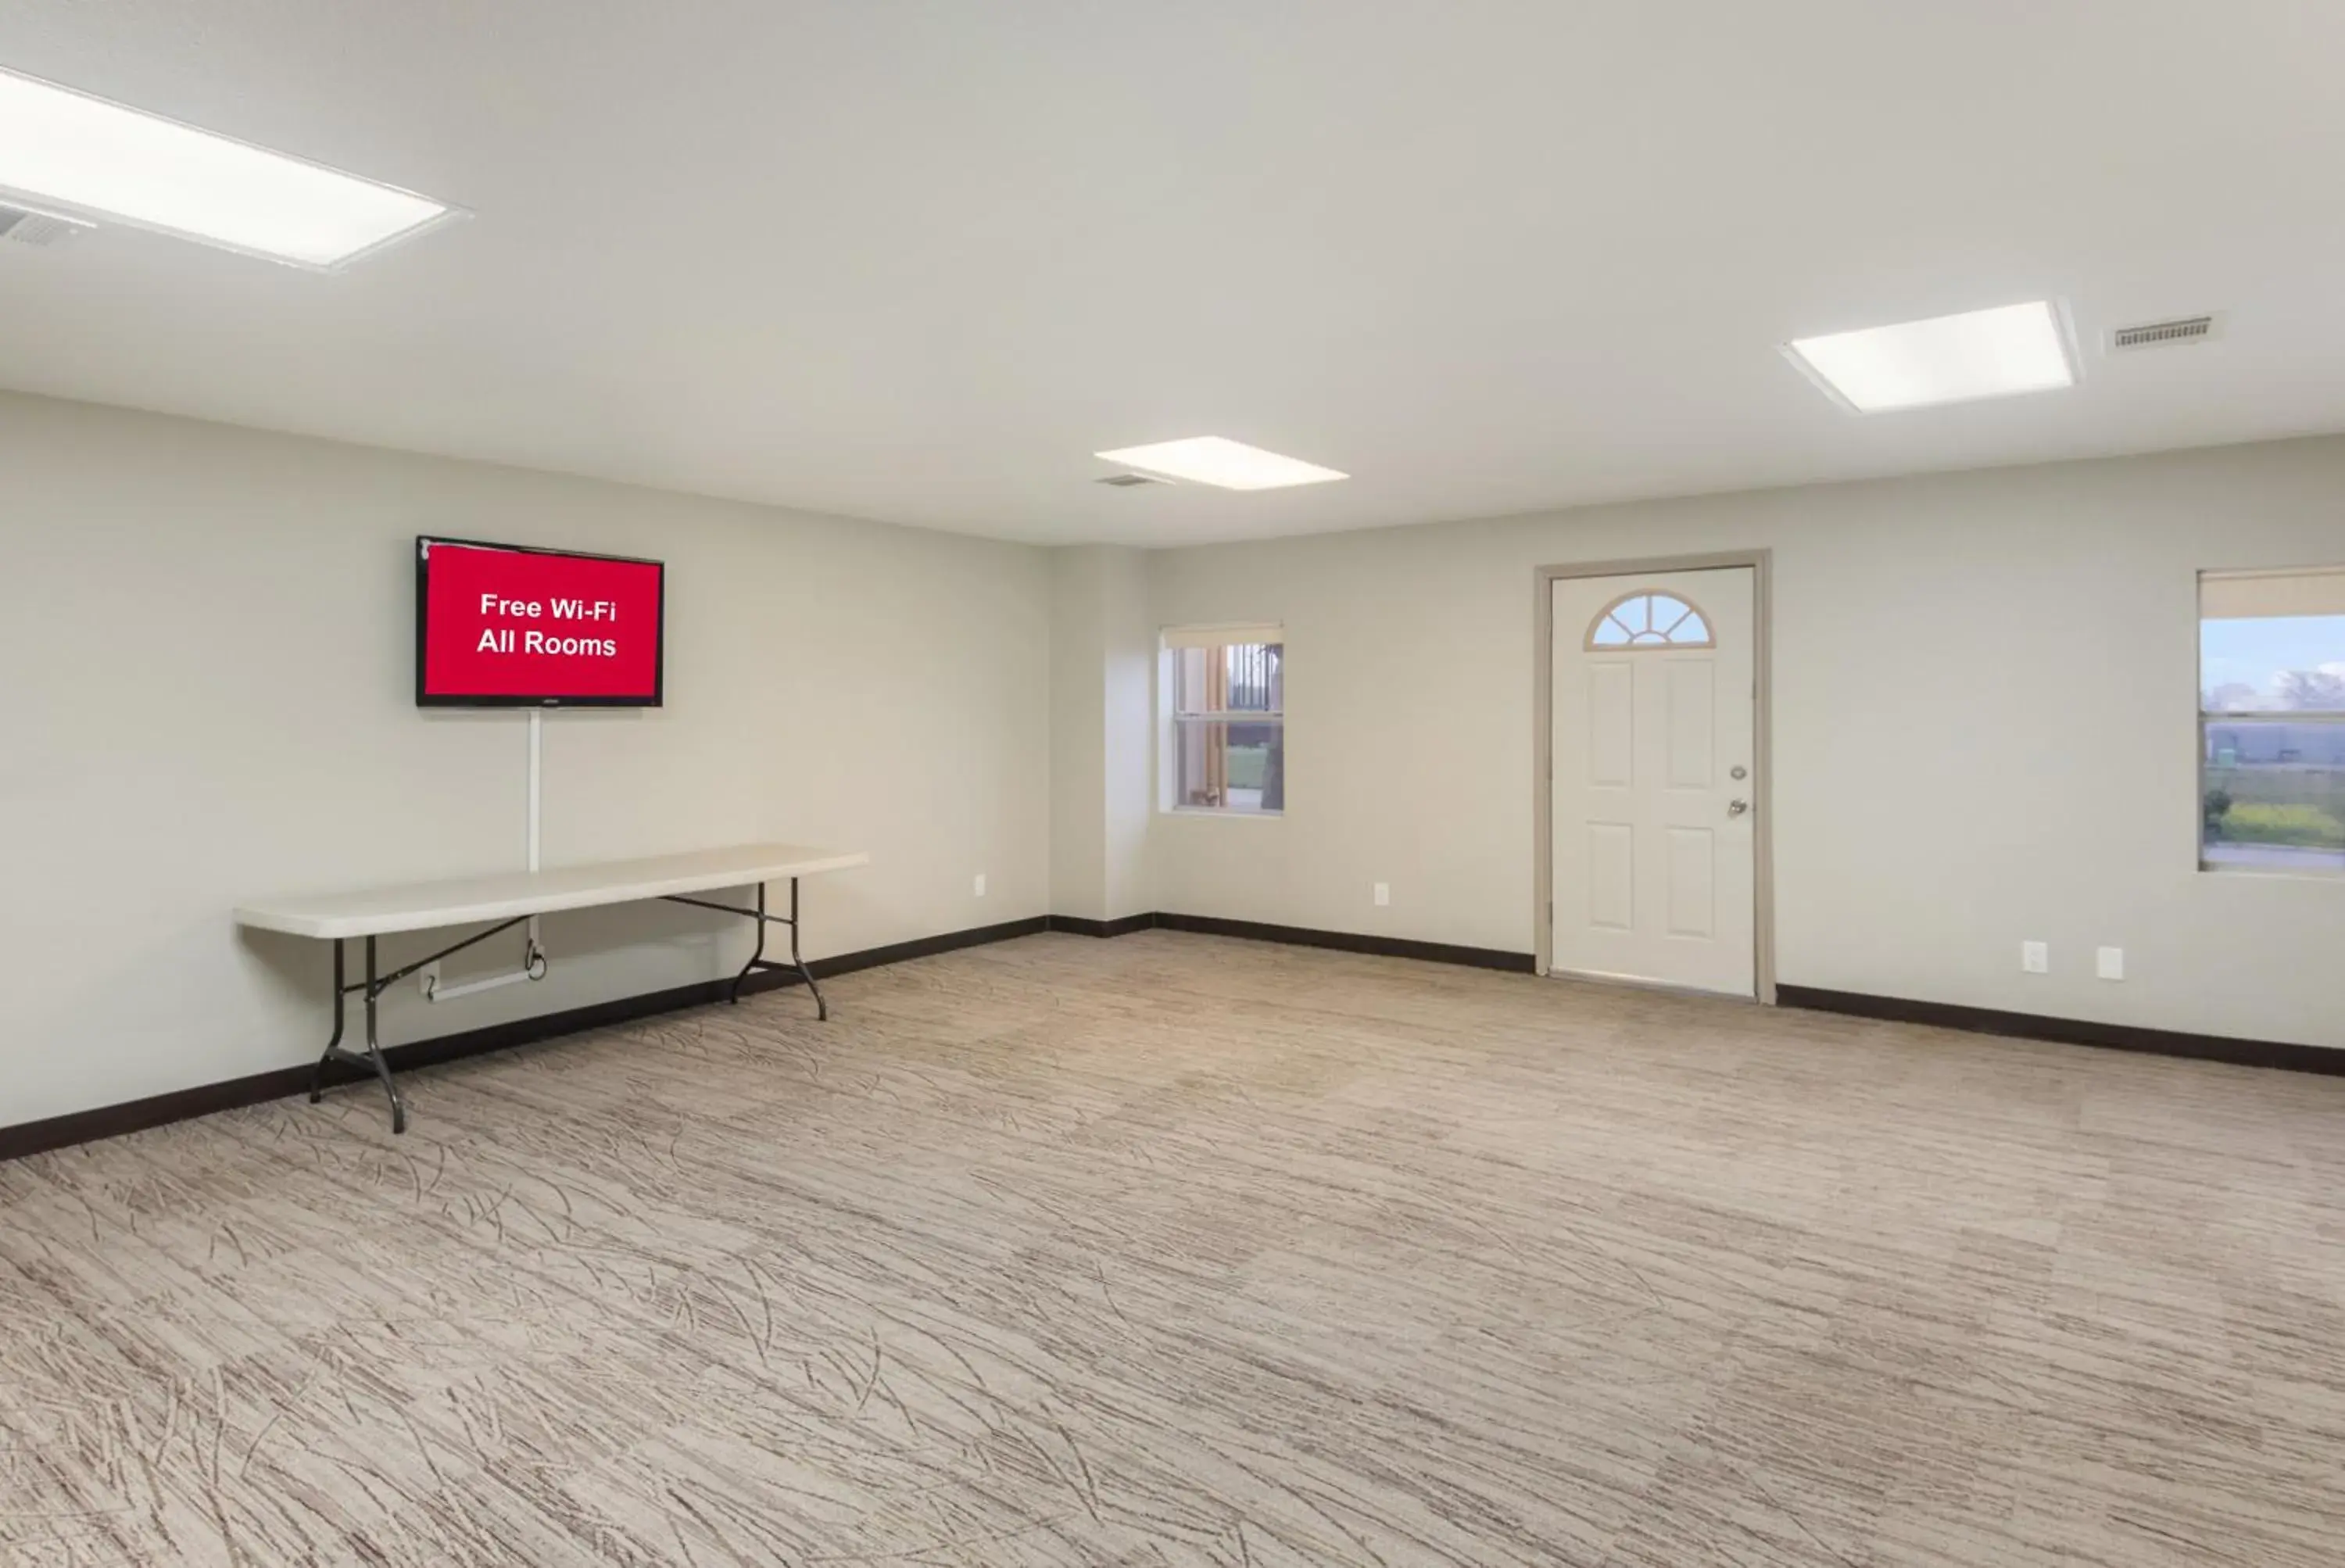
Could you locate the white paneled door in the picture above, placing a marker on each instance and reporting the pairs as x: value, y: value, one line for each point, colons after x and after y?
x: 1655, y: 779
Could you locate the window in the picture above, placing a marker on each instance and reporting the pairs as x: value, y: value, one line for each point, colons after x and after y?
x: 2271, y: 720
x: 1646, y: 619
x: 1227, y: 692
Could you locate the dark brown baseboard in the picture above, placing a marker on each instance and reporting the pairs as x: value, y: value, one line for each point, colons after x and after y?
x: 2068, y: 1031
x: 155, y: 1110
x: 1075, y: 926
x: 1304, y: 936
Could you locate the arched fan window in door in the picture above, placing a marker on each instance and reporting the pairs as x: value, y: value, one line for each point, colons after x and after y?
x: 1648, y: 618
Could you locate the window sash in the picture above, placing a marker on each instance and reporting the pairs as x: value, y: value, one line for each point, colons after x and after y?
x: 2272, y: 715
x: 1271, y: 685
x: 1201, y: 757
x: 2309, y: 865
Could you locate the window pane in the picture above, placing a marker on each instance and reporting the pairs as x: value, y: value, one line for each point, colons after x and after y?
x: 1255, y: 678
x: 1229, y: 766
x: 1189, y: 679
x: 2274, y: 794
x: 1652, y: 620
x: 1240, y: 678
x: 2272, y: 664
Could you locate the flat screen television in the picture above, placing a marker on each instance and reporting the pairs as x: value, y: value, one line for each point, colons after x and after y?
x: 512, y: 625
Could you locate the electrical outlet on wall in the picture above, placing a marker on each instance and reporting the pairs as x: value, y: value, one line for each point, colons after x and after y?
x: 2035, y: 957
x: 981, y: 884
x: 1382, y: 894
x: 2110, y: 963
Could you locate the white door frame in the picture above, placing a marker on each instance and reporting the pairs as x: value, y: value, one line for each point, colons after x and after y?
x: 1762, y: 826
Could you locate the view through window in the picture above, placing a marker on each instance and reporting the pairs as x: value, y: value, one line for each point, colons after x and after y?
x: 1649, y: 621
x: 2271, y: 720
x: 1229, y: 719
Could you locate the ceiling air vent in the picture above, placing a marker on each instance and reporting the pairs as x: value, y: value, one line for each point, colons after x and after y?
x: 2163, y: 334
x: 1126, y: 480
x: 21, y: 227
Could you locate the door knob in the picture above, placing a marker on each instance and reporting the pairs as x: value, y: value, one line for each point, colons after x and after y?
x: 1736, y: 807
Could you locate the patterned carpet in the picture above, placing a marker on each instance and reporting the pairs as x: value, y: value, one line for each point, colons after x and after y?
x: 1172, y: 1249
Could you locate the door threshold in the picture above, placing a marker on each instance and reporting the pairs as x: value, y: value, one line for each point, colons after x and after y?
x: 1636, y: 983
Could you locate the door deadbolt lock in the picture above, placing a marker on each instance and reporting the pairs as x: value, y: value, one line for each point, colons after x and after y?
x: 1739, y: 771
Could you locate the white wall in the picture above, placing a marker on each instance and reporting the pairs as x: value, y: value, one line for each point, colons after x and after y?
x: 1984, y: 698
x: 1128, y: 641
x: 1103, y: 697
x: 1077, y: 735
x: 1984, y: 691
x: 206, y: 640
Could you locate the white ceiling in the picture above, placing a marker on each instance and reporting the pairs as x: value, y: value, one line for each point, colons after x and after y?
x: 917, y: 261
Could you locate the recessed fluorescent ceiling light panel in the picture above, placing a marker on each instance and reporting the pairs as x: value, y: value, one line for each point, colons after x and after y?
x: 65, y: 149
x: 1947, y: 359
x: 1216, y: 460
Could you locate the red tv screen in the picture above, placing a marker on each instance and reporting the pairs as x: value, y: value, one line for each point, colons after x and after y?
x: 505, y: 625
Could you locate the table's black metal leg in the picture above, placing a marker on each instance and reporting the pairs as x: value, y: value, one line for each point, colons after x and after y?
x: 821, y: 1008
x: 318, y: 1074
x: 374, y: 1058
x: 374, y: 1047
x: 758, y: 957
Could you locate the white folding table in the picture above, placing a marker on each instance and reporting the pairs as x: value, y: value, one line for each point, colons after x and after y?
x: 509, y: 900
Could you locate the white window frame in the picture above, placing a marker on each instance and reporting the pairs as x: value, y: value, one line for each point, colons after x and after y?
x: 1173, y: 642
x: 2272, y: 590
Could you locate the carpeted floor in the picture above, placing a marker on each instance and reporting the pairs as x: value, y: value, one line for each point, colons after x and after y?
x: 1171, y: 1249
